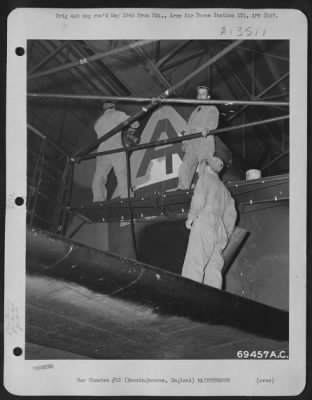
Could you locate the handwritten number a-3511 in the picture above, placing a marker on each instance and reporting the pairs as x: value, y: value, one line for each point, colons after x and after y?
x: 240, y: 31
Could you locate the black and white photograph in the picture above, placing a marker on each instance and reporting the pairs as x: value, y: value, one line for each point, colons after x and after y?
x: 157, y: 174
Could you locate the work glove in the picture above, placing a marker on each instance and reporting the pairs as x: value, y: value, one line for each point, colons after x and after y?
x: 189, y: 223
x: 135, y: 124
x: 130, y: 137
x: 205, y: 132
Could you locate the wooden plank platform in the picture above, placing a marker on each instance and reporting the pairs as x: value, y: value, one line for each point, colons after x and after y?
x: 176, y: 203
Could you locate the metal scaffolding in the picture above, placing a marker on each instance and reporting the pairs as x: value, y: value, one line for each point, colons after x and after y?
x: 261, y: 94
x: 156, y: 101
x: 40, y: 177
x: 155, y: 68
x: 87, y: 60
x: 179, y: 138
x: 123, y: 99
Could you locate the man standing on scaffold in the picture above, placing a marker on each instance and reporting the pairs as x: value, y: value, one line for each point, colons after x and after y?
x: 203, y: 119
x: 107, y: 121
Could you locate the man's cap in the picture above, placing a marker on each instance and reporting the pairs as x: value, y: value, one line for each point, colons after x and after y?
x: 135, y: 125
x: 107, y: 105
x: 215, y: 163
x: 202, y: 87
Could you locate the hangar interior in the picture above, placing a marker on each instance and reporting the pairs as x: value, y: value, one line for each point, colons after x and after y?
x: 68, y: 81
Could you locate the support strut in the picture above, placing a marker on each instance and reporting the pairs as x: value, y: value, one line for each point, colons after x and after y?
x: 179, y: 139
x: 161, y: 101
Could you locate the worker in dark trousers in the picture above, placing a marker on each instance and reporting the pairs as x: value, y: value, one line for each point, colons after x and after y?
x: 211, y: 219
x: 203, y: 119
x: 107, y: 121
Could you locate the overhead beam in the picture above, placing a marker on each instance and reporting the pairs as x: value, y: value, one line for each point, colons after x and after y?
x: 247, y: 92
x: 90, y: 59
x: 256, y: 83
x: 198, y: 62
x: 262, y: 53
x: 237, y: 79
x: 266, y: 90
x: 102, y: 67
x: 73, y: 74
x: 102, y: 77
x: 149, y: 99
x: 219, y: 70
x: 152, y: 69
x: 226, y: 66
x: 172, y: 53
x: 270, y: 63
x: 212, y: 60
x: 97, y: 49
x: 182, y: 61
x: 101, y: 81
x: 231, y: 73
x: 48, y: 47
x: 47, y: 58
x: 80, y: 76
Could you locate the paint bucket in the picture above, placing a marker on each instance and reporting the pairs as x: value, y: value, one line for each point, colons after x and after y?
x: 253, y: 174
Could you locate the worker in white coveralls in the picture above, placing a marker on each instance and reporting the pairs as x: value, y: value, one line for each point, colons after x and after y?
x: 211, y: 219
x: 107, y: 121
x: 203, y: 119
